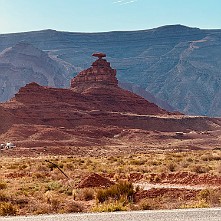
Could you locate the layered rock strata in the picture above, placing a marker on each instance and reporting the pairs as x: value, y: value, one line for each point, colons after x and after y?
x: 99, y: 74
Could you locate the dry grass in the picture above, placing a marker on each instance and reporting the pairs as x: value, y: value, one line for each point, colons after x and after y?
x: 7, y: 209
x: 33, y: 186
x: 111, y: 206
x: 85, y: 194
x: 150, y: 204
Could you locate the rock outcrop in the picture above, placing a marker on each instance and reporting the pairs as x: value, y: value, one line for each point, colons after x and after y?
x: 7, y: 120
x: 99, y: 74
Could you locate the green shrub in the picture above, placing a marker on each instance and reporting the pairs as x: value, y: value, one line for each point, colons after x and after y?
x: 210, y: 196
x: 3, y: 185
x: 200, y: 169
x: 53, y: 185
x: 4, y: 197
x: 122, y: 189
x: 171, y: 166
x: 137, y: 162
x: 204, y: 195
x: 7, y: 209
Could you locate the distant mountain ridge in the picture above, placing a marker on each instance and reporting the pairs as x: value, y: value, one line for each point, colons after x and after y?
x: 177, y: 64
x: 23, y: 63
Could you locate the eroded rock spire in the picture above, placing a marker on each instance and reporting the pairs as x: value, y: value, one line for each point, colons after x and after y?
x: 99, y: 74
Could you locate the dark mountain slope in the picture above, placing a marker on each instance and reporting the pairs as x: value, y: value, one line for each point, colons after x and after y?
x: 24, y: 63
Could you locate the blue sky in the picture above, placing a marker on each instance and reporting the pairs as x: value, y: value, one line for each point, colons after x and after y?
x: 106, y: 15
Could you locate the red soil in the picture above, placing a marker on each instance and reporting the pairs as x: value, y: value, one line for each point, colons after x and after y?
x: 184, y: 194
x: 95, y: 180
x: 186, y: 178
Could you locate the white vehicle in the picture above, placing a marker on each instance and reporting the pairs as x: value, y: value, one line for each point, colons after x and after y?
x: 2, y: 146
x: 9, y: 145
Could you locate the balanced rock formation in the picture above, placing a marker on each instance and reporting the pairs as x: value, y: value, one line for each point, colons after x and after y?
x: 100, y: 73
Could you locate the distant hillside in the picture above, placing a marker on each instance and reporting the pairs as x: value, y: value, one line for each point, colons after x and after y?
x: 23, y: 63
x: 177, y: 64
x: 147, y: 95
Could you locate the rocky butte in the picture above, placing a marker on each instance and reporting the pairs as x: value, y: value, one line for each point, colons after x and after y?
x: 93, y: 112
x: 99, y: 74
